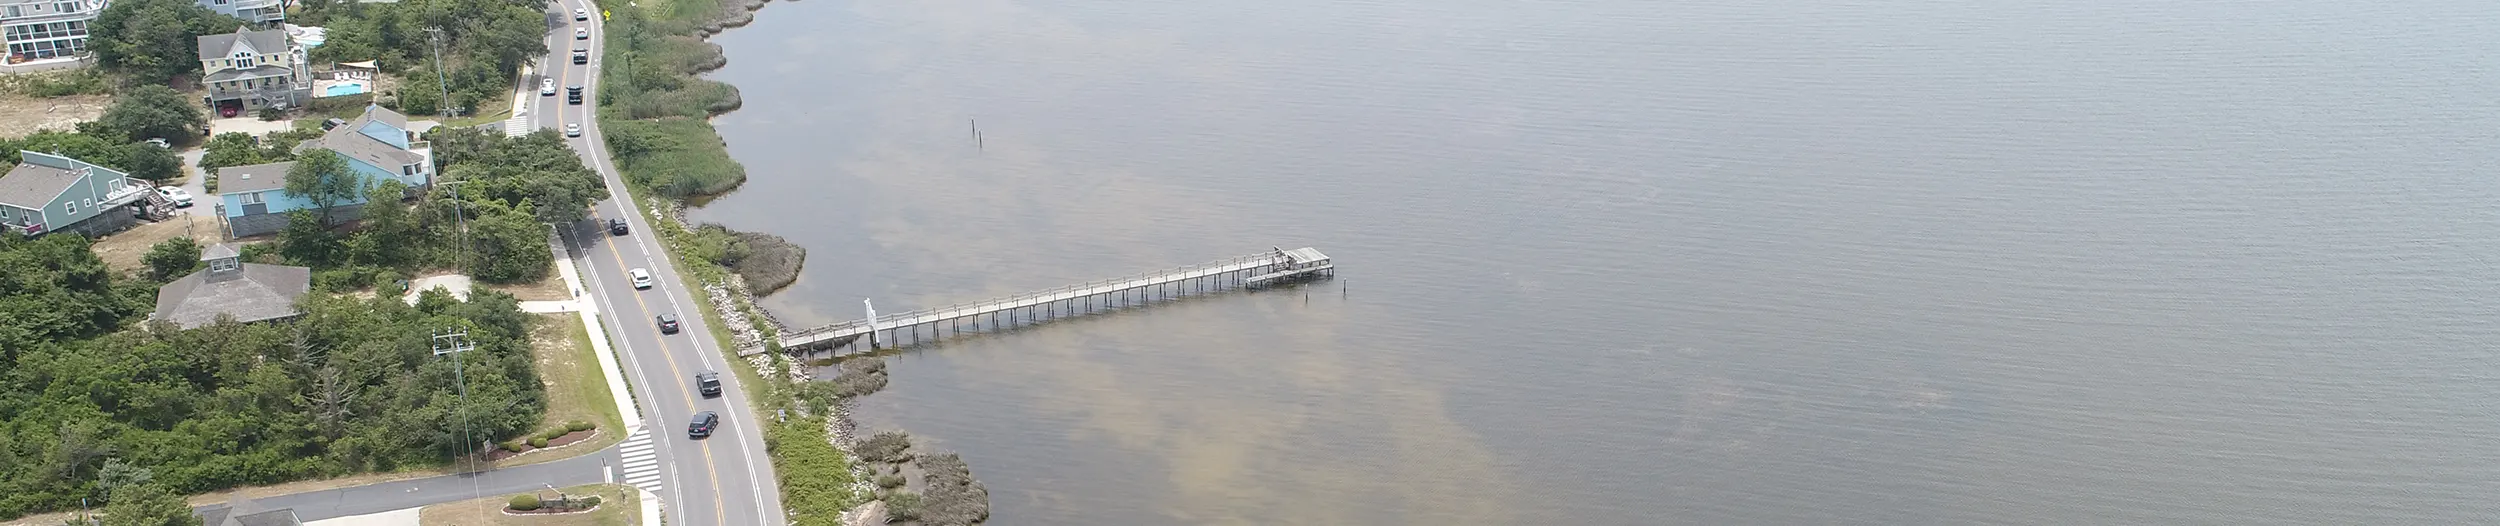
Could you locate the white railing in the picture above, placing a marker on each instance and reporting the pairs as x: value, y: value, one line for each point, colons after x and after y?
x: 1242, y: 263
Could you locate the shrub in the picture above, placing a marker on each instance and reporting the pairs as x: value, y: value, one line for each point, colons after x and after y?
x: 890, y: 481
x: 513, y: 446
x: 524, y: 502
x: 551, y: 434
x: 272, y: 113
x: 902, y: 507
x: 888, y: 446
x: 538, y: 442
x: 578, y: 425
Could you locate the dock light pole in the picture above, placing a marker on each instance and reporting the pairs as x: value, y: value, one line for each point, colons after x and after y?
x: 872, y: 323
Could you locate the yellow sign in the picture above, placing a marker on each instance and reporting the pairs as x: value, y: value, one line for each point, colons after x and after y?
x: 603, y: 14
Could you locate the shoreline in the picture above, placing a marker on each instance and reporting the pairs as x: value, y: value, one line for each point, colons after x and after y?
x: 732, y: 260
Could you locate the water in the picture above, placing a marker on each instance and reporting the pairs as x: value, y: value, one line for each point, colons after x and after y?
x: 1924, y: 262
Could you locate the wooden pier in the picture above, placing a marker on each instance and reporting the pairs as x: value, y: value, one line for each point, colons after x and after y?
x: 1073, y: 300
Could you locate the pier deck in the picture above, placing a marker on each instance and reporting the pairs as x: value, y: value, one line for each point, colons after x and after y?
x: 1240, y: 272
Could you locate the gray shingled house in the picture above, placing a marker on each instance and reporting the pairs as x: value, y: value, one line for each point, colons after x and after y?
x: 248, y: 292
x: 243, y: 512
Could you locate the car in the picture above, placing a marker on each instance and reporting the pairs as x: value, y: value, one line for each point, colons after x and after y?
x: 642, y: 278
x: 703, y: 424
x: 708, y: 383
x: 572, y: 129
x: 332, y: 123
x: 616, y: 227
x: 228, y: 111
x: 573, y: 94
x: 547, y: 87
x: 580, y: 14
x: 668, y: 323
x: 581, y: 56
x: 180, y: 198
x: 160, y: 143
x: 581, y: 33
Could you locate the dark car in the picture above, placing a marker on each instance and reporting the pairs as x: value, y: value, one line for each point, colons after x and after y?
x: 616, y: 227
x: 703, y: 425
x: 581, y: 56
x: 668, y: 324
x: 573, y: 94
x: 333, y: 123
x: 708, y: 382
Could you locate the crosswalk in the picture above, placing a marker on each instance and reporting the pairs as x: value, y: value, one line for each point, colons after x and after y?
x: 642, y: 464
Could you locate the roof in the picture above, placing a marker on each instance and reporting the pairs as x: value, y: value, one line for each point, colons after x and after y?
x: 350, y: 141
x: 268, y: 41
x: 225, y: 516
x: 253, y: 177
x: 255, y: 72
x: 219, y: 251
x: 254, y: 293
x: 33, y: 185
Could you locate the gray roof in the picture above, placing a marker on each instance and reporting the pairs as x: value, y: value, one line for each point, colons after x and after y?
x: 244, y: 512
x: 253, y: 177
x: 269, y: 41
x: 350, y: 141
x: 255, y: 72
x: 254, y: 293
x: 374, y: 112
x: 219, y: 251
x: 33, y: 185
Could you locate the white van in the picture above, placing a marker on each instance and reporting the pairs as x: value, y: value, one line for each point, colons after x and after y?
x: 642, y: 278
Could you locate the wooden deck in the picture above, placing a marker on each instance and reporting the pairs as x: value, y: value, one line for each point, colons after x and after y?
x: 1246, y: 271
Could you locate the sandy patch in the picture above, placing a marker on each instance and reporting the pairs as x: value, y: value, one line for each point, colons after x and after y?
x: 21, y: 115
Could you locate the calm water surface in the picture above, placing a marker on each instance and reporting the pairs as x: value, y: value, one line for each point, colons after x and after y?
x: 1666, y: 262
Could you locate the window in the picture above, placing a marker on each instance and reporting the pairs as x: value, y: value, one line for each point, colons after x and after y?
x: 223, y: 264
x: 4, y: 213
x: 13, y: 13
x: 66, y: 6
x: 409, y: 169
x: 71, y: 207
x: 252, y: 198
x: 90, y: 203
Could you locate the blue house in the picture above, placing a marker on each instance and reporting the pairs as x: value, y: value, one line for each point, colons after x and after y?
x: 377, y: 145
x: 50, y: 193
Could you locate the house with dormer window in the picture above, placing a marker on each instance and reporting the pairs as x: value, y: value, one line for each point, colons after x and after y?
x: 49, y: 193
x: 248, y: 70
x: 376, y: 144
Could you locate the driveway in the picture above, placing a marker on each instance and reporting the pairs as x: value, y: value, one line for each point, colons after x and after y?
x: 250, y: 125
x: 196, y: 182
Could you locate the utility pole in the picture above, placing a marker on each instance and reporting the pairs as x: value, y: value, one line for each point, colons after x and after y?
x: 434, y: 35
x: 459, y: 214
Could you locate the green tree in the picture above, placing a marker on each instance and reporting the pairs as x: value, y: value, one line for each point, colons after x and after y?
x: 147, y: 504
x: 308, y: 241
x: 537, y: 169
x: 172, y: 258
x: 231, y: 149
x: 323, y: 177
x: 154, y: 40
x: 145, y: 161
x: 507, y: 246
x: 152, y: 112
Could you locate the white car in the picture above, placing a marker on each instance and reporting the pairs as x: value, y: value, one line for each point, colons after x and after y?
x: 547, y: 87
x: 580, y: 14
x: 581, y: 33
x: 642, y: 278
x: 572, y: 130
x: 180, y: 198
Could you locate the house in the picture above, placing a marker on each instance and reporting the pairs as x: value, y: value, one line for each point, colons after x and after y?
x: 248, y: 70
x: 244, y: 512
x: 376, y: 144
x: 50, y: 193
x: 254, y: 11
x: 246, y: 292
x: 46, y: 31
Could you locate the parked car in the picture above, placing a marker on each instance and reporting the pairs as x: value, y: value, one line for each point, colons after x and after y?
x: 581, y: 33
x: 572, y: 129
x: 228, y: 111
x: 161, y: 143
x: 703, y: 424
x: 180, y: 198
x: 642, y: 278
x: 668, y: 324
x: 580, y: 14
x: 708, y: 383
x: 332, y: 123
x: 616, y: 227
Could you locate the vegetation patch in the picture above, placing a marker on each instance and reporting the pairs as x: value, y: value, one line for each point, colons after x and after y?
x: 815, y: 478
x: 590, y: 505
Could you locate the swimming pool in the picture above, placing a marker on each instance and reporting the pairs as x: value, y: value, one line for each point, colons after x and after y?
x: 342, y: 89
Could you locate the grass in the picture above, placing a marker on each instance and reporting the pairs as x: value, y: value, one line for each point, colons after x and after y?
x: 576, y: 388
x: 619, y: 505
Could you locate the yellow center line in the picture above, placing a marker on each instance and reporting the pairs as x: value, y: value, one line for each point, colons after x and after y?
x: 720, y: 509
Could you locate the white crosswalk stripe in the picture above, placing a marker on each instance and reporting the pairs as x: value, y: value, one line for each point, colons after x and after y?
x: 642, y: 463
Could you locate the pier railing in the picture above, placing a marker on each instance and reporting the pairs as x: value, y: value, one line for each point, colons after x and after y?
x: 1235, y: 264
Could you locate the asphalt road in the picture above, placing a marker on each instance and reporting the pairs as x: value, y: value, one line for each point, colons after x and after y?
x: 388, y: 496
x: 725, y: 480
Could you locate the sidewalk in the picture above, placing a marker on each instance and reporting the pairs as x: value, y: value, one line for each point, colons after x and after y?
x: 566, y: 268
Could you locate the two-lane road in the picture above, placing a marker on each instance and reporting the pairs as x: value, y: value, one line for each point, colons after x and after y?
x: 725, y: 480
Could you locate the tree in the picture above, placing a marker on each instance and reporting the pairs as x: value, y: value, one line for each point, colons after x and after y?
x: 323, y: 177
x: 173, y: 257
x: 231, y: 149
x: 145, y: 161
x: 152, y: 112
x: 536, y: 173
x: 147, y: 504
x: 308, y: 241
x: 154, y: 40
x: 507, y: 246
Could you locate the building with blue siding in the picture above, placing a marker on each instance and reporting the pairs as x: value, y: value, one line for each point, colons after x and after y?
x: 50, y: 193
x: 377, y: 146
